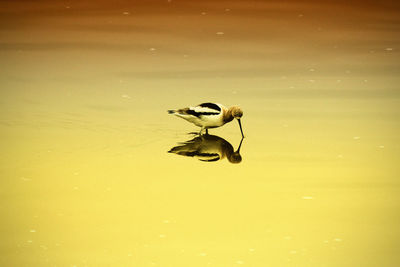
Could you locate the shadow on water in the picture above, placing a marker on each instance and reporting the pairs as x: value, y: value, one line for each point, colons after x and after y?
x: 208, y: 148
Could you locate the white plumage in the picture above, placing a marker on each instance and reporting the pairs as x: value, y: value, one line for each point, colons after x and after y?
x: 209, y: 115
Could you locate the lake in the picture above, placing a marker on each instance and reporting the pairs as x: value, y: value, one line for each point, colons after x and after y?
x: 87, y: 179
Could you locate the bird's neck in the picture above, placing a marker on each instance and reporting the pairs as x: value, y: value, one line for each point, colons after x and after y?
x: 228, y: 115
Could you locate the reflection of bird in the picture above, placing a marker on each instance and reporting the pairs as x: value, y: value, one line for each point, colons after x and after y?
x: 209, y: 115
x: 208, y: 148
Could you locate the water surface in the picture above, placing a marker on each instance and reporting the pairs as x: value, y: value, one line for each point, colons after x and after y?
x: 87, y: 179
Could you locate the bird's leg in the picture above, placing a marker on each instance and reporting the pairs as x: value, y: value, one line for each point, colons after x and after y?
x: 201, y: 131
x: 206, y: 131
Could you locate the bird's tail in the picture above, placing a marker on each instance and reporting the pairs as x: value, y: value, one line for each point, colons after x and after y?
x: 171, y: 111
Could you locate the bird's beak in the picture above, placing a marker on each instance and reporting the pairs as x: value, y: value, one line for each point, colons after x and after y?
x: 240, y: 125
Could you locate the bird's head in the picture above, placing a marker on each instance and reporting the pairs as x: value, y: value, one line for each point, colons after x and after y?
x: 236, y: 112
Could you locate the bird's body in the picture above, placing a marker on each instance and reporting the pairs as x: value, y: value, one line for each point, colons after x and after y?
x: 209, y: 115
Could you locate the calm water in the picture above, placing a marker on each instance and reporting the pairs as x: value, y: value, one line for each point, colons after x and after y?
x: 87, y: 179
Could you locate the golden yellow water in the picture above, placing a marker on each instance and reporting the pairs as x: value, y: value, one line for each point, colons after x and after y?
x: 86, y: 179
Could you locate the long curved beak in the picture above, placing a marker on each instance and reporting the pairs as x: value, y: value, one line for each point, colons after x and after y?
x: 240, y: 125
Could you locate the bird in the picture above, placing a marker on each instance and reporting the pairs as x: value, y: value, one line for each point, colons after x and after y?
x: 209, y: 115
x: 208, y: 148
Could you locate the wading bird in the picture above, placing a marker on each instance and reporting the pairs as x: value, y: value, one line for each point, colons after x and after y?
x: 209, y: 115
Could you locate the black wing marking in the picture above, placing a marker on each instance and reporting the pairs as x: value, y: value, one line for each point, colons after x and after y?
x: 211, y: 106
x: 198, y: 114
